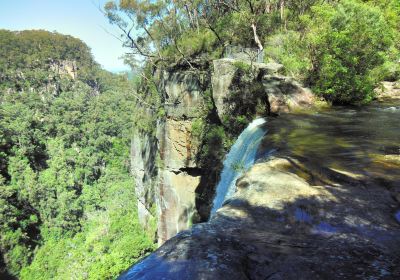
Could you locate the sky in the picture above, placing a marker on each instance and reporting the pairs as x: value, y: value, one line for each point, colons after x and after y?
x: 78, y: 18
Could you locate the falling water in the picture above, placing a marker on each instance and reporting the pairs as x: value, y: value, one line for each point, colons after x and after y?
x: 240, y: 158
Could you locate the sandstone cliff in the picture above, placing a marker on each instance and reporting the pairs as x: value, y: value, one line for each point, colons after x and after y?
x: 177, y: 168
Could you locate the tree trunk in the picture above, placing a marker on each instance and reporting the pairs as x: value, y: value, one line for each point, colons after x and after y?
x: 256, y: 39
x: 282, y: 8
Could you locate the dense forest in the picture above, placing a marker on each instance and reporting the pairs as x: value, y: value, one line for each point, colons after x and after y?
x: 67, y: 202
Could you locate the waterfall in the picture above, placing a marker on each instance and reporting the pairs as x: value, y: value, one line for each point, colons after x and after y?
x: 240, y: 158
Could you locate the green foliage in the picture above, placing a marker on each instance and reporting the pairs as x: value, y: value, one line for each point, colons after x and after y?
x: 246, y: 100
x: 198, y: 126
x: 181, y: 31
x: 149, y: 102
x: 67, y: 205
x: 347, y: 42
x: 238, y: 166
x: 234, y: 28
x: 110, y: 241
x: 289, y: 49
x: 30, y: 59
x: 216, y: 142
x: 68, y: 169
x: 242, y: 120
x: 190, y: 44
x: 30, y: 48
x: 340, y: 48
x: 243, y: 66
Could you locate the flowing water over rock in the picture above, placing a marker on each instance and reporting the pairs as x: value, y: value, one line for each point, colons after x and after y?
x: 321, y: 202
x: 352, y: 141
x: 239, y: 159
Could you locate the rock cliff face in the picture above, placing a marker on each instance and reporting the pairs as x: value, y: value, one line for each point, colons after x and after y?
x: 145, y: 172
x: 178, y: 178
x: 64, y: 68
x: 166, y: 166
x: 281, y: 93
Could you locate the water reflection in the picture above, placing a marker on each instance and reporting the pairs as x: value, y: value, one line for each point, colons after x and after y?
x: 156, y: 267
x: 397, y: 215
x: 301, y: 215
x: 324, y: 228
x: 358, y: 141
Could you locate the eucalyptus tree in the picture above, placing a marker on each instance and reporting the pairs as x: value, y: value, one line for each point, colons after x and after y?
x: 148, y: 27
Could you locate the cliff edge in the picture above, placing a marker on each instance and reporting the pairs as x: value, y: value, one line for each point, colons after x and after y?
x: 281, y: 224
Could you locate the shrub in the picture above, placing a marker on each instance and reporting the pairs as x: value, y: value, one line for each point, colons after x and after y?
x: 289, y: 50
x: 242, y: 66
x: 347, y: 42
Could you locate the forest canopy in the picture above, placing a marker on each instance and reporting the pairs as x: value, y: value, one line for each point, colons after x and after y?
x: 66, y: 196
x: 27, y: 58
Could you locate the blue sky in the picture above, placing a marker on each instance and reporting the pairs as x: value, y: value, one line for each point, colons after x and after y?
x: 79, y: 18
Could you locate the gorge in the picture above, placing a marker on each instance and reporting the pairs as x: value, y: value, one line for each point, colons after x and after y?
x: 248, y: 140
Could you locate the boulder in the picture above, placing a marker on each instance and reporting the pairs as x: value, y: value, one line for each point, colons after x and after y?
x: 283, y: 94
x: 286, y: 94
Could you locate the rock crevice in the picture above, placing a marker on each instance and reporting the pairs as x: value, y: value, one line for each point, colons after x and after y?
x: 168, y: 169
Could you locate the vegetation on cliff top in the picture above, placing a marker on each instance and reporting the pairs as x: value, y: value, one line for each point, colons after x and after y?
x: 342, y: 49
x: 28, y: 60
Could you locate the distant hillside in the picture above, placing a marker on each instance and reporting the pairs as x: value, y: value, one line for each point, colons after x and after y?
x: 42, y: 60
x: 65, y: 132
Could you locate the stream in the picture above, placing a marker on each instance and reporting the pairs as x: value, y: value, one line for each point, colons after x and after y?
x: 362, y: 141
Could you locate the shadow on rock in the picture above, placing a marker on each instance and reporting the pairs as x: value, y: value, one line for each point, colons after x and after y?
x: 279, y: 225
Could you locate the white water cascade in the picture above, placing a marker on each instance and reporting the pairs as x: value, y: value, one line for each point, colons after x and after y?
x: 240, y: 158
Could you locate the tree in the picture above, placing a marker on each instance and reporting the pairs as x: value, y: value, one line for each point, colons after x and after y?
x: 347, y: 41
x: 151, y: 27
x: 64, y: 163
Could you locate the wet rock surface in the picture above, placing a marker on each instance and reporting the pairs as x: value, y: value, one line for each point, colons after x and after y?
x: 281, y: 226
x: 322, y: 202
